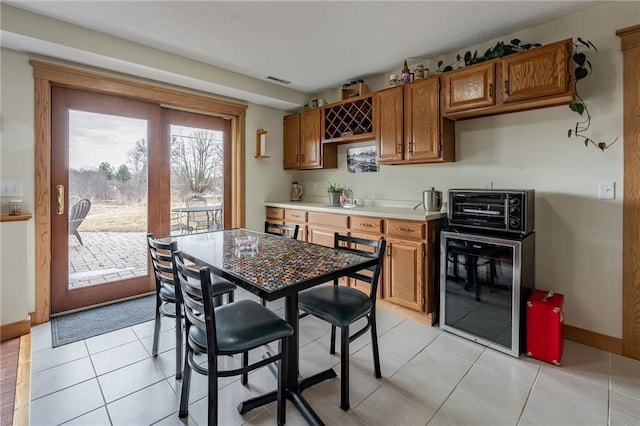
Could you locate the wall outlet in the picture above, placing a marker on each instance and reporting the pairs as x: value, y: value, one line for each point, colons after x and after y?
x: 607, y: 190
x: 487, y: 185
x: 11, y: 188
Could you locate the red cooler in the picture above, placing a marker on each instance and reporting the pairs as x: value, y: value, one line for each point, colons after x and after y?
x: 545, y: 321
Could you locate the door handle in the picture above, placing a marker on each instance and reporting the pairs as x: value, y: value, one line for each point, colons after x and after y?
x: 60, y: 192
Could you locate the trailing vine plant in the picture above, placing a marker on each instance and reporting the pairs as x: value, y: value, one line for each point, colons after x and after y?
x: 582, y: 70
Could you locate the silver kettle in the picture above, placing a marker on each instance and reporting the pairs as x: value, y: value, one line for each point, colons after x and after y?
x: 431, y: 200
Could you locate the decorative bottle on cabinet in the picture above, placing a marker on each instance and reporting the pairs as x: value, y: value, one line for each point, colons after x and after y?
x: 405, y: 75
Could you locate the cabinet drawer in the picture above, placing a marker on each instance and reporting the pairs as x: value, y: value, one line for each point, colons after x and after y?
x: 295, y: 215
x: 366, y: 224
x: 405, y: 229
x: 328, y: 219
x: 275, y: 213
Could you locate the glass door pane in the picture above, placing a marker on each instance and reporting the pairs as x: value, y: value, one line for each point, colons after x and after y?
x: 107, y: 201
x: 197, y: 179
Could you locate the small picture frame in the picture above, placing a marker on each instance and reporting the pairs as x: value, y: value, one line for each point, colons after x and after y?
x: 362, y: 159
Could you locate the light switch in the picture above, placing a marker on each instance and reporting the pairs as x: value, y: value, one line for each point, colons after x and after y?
x: 606, y: 190
x: 11, y: 188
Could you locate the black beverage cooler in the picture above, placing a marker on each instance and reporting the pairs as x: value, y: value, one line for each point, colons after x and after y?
x: 485, y: 280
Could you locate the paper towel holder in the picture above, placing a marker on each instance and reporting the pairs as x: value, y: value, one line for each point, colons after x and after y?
x: 261, y: 143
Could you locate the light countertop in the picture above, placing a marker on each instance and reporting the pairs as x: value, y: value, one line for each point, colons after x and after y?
x: 373, y: 211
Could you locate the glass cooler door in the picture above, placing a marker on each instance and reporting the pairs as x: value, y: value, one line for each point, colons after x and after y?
x: 480, y: 289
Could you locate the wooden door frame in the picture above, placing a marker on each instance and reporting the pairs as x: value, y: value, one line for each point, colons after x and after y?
x: 630, y: 45
x: 47, y: 74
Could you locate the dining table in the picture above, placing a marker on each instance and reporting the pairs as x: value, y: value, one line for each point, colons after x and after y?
x: 273, y: 267
x: 212, y: 211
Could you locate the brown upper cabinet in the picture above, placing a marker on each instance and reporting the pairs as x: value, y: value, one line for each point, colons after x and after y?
x: 536, y: 78
x: 408, y: 126
x: 292, y: 141
x: 303, y: 147
x: 469, y: 87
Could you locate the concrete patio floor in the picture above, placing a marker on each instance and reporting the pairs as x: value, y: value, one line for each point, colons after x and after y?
x: 106, y: 256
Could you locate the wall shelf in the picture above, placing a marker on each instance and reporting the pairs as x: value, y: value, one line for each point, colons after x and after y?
x: 261, y: 144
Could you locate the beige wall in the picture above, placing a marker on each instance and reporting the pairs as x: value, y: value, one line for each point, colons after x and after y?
x: 578, y: 237
x: 579, y: 244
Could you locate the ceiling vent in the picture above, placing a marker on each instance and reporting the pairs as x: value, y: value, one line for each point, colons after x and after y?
x: 279, y: 80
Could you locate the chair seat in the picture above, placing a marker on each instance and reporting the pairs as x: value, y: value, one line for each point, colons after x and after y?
x: 241, y: 326
x: 168, y: 293
x: 221, y: 285
x: 338, y: 305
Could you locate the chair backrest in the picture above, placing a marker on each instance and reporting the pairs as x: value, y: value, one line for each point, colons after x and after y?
x: 78, y: 213
x: 72, y: 200
x: 195, y: 200
x: 343, y: 242
x: 197, y: 299
x: 288, y: 231
x: 160, y: 252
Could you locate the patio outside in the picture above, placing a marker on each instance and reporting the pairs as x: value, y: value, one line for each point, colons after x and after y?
x: 113, y: 233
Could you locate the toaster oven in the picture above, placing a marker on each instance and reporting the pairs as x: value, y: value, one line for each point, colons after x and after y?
x: 505, y: 210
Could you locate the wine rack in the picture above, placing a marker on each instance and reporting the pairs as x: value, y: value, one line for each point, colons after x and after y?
x: 349, y: 120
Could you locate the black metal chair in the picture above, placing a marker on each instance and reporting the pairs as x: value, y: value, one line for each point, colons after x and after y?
x: 168, y: 303
x: 289, y: 231
x: 285, y: 231
x: 231, y: 329
x: 341, y: 306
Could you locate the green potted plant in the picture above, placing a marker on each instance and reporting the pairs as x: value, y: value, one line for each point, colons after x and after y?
x: 334, y: 190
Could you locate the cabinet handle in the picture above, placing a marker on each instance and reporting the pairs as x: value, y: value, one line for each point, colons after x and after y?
x: 506, y: 86
x: 491, y: 90
x: 302, y: 158
x: 60, y: 199
x: 366, y: 225
x: 405, y: 229
x: 399, y: 149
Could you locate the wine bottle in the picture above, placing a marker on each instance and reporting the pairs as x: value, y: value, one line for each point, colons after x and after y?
x: 405, y: 75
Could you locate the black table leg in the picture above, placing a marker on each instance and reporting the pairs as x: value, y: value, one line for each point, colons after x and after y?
x: 294, y: 388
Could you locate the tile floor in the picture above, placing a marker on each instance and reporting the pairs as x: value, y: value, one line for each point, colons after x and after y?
x: 429, y: 377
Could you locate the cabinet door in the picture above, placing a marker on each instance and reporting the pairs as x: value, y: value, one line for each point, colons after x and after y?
x: 310, y: 143
x: 404, y: 280
x: 421, y: 120
x: 388, y: 124
x: 469, y: 88
x: 536, y: 73
x: 324, y: 237
x: 320, y: 235
x: 291, y: 141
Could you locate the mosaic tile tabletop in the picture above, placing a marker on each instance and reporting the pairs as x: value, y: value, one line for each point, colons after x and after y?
x: 268, y: 261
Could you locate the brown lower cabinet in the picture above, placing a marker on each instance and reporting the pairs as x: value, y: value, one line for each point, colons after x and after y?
x: 409, y: 276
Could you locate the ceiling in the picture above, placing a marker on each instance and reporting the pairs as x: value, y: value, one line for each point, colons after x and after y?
x: 316, y: 45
